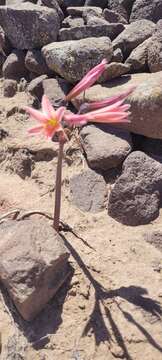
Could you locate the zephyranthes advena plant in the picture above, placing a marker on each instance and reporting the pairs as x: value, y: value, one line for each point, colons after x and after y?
x: 50, y: 121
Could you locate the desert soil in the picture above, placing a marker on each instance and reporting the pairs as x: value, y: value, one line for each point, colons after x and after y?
x: 111, y: 306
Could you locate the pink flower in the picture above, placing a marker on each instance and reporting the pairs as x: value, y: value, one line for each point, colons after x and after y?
x: 115, y: 113
x: 49, y: 119
x: 89, y: 79
x: 85, y: 107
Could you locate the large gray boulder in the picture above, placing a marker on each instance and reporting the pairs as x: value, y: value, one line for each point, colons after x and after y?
x: 105, y: 146
x: 135, y: 198
x: 138, y: 58
x: 72, y: 59
x: 133, y: 35
x: 29, y: 26
x: 146, y: 9
x: 145, y: 101
x: 33, y: 264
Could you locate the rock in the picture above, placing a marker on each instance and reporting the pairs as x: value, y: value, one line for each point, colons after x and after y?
x: 35, y: 62
x: 53, y: 4
x: 105, y: 146
x: 33, y: 264
x: 135, y: 198
x: 88, y: 190
x: 98, y: 3
x: 35, y: 87
x: 9, y: 88
x: 114, y: 70
x: 2, y: 60
x: 138, y: 58
x: 145, y: 101
x: 70, y: 22
x: 154, y: 238
x: 113, y: 17
x: 117, y: 56
x: 133, y: 35
x: 29, y: 26
x: 82, y: 32
x: 55, y: 89
x: 122, y: 7
x: 96, y: 21
x: 73, y: 3
x: 155, y: 50
x: 72, y: 59
x: 146, y: 9
x: 14, y: 65
x: 83, y: 11
x: 21, y: 163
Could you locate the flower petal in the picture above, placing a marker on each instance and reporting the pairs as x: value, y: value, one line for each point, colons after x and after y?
x: 37, y: 115
x: 35, y: 130
x: 47, y: 107
x: 60, y: 113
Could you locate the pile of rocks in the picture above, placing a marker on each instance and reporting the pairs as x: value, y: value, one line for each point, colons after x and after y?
x: 48, y: 45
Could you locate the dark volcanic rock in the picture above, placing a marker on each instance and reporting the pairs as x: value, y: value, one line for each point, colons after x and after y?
x: 35, y: 62
x: 33, y: 264
x: 14, y: 65
x: 135, y: 198
x: 35, y: 87
x: 146, y: 9
x: 29, y: 26
x: 134, y: 35
x: 88, y: 191
x: 105, y: 147
x: 122, y: 7
x: 9, y: 88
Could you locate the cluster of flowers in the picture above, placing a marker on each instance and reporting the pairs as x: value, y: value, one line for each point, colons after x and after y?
x: 111, y: 110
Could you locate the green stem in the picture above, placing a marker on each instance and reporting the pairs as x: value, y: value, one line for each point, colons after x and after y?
x: 57, y: 207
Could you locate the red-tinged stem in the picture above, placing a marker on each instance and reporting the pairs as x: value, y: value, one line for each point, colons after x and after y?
x: 57, y: 207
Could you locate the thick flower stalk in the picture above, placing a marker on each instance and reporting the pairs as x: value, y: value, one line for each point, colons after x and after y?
x: 88, y: 80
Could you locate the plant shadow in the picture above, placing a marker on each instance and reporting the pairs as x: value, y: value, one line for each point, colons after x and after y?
x: 96, y: 322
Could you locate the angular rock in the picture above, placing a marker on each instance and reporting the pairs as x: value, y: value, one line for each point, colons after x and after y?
x: 133, y: 35
x: 53, y: 4
x: 105, y: 147
x: 138, y: 58
x: 135, y: 198
x: 145, y: 101
x: 9, y: 88
x: 83, y: 11
x: 113, y: 17
x: 70, y: 22
x: 29, y: 26
x: 55, y: 89
x: 92, y: 20
x: 114, y: 70
x: 122, y: 7
x: 88, y: 31
x: 2, y: 60
x: 146, y: 9
x: 155, y: 49
x: 14, y: 65
x: 72, y: 59
x: 88, y: 190
x: 33, y: 264
x: 35, y: 87
x: 35, y: 62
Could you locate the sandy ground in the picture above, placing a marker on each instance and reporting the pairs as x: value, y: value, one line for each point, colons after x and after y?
x: 111, y: 305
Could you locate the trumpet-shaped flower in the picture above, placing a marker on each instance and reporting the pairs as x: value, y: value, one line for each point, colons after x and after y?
x: 88, y: 80
x: 115, y: 113
x: 108, y: 101
x: 49, y: 120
